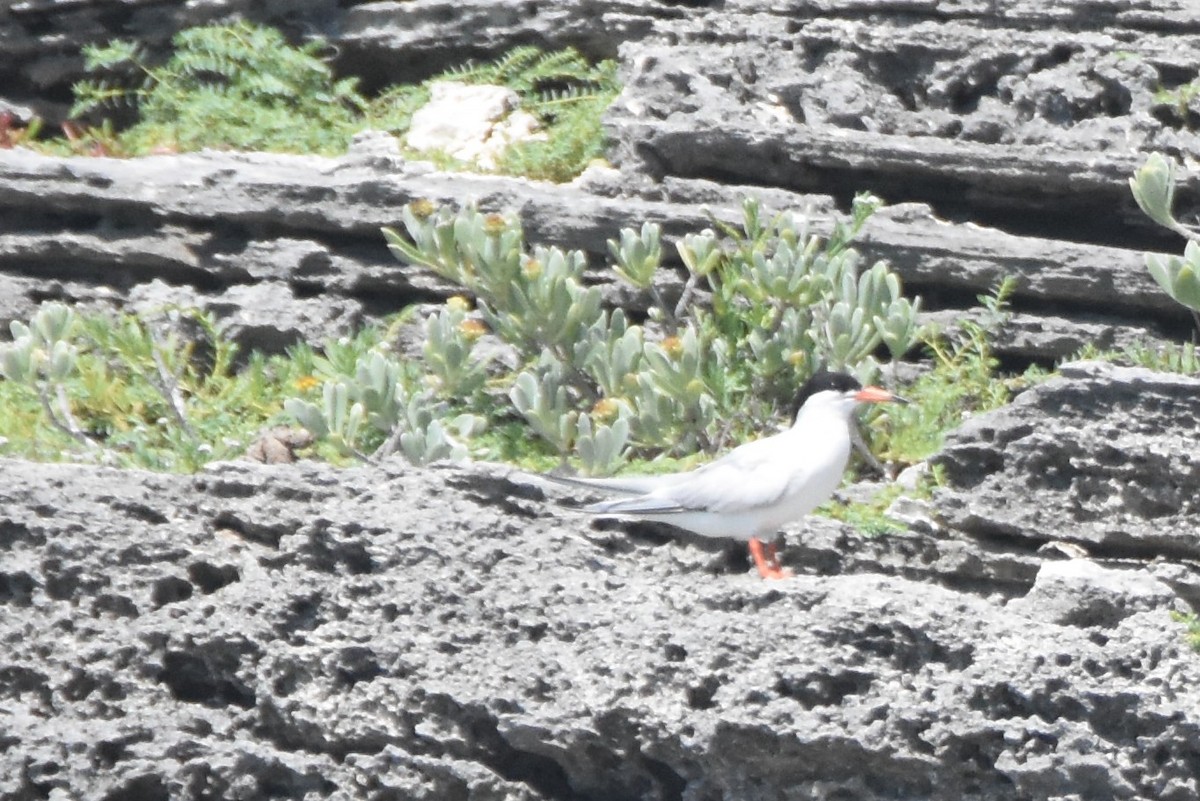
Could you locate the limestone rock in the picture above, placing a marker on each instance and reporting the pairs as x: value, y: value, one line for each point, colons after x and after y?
x: 1077, y: 592
x: 471, y: 123
x: 267, y: 317
x: 302, y: 631
x: 211, y: 221
x: 297, y: 630
x: 1103, y: 456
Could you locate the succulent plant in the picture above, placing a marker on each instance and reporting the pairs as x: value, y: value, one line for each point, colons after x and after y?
x: 637, y: 256
x: 611, y: 353
x: 788, y: 301
x: 1153, y: 187
x: 602, y: 447
x: 429, y: 434
x: 376, y: 403
x: 41, y: 357
x: 542, y: 398
x: 782, y: 303
x: 450, y: 336
x: 1178, y: 277
x: 533, y: 300
x: 338, y: 419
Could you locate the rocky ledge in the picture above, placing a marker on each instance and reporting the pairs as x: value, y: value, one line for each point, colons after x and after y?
x: 300, y: 631
x: 303, y: 632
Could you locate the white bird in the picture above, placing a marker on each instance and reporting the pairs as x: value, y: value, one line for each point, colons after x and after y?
x: 756, y: 488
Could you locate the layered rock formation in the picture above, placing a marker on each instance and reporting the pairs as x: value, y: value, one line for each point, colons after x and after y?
x: 1024, y: 118
x: 302, y: 631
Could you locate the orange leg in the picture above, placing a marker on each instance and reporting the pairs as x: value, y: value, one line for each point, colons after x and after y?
x: 766, y: 559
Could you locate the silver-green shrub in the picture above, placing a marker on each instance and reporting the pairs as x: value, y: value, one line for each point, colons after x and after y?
x: 763, y: 306
x: 376, y: 401
x: 42, y: 357
x: 1153, y: 187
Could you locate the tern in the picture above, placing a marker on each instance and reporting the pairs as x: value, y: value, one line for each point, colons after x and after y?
x: 752, y: 491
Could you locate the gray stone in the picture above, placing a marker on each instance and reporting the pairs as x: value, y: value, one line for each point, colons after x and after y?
x: 200, y: 221
x: 956, y: 112
x: 1102, y: 456
x: 1033, y: 337
x: 1077, y: 592
x: 265, y: 317
x: 298, y: 631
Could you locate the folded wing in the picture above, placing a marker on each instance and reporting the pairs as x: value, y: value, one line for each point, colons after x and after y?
x: 748, y: 478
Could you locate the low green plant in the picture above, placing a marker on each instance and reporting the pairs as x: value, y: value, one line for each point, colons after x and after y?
x: 1191, y: 624
x: 1153, y: 187
x: 124, y: 391
x: 14, y: 133
x: 597, y: 388
x: 964, y: 379
x: 869, y: 517
x: 376, y: 408
x: 1166, y: 357
x: 243, y: 86
x: 43, y: 358
x: 560, y: 88
x: 1179, y: 100
x: 239, y: 86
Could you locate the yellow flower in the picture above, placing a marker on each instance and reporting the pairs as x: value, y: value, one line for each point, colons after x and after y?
x: 458, y: 303
x: 532, y: 269
x: 422, y: 209
x: 797, y: 358
x: 472, y: 329
x: 605, y: 409
x: 307, y: 382
x: 673, y: 346
x: 494, y: 224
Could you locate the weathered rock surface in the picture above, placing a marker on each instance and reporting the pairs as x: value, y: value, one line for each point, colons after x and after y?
x: 299, y: 631
x: 241, y: 228
x: 1083, y: 459
x: 1026, y: 118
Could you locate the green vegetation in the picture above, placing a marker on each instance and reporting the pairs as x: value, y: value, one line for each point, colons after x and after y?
x: 593, y: 386
x: 243, y: 86
x: 124, y: 391
x: 1179, y: 100
x: 589, y: 385
x: 1167, y: 357
x: 239, y: 86
x: 964, y: 380
x: 1153, y: 187
x: 1191, y: 624
x: 565, y: 93
x: 869, y: 517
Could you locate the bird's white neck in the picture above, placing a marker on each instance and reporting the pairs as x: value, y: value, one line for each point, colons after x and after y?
x: 825, y: 414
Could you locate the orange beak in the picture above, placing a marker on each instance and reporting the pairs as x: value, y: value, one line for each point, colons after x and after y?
x: 877, y: 395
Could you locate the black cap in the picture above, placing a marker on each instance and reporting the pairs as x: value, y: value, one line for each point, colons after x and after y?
x: 821, y: 381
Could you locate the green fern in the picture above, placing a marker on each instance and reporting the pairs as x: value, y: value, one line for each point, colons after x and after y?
x: 242, y: 86
x: 543, y: 80
x: 577, y: 139
x: 566, y: 93
x: 228, y: 86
